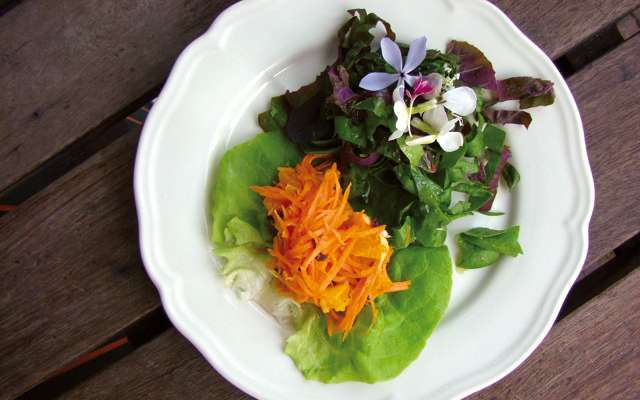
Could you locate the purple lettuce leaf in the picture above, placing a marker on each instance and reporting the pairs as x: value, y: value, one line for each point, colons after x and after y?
x: 508, y: 117
x: 497, y: 164
x: 531, y: 92
x: 474, y: 68
x: 342, y: 93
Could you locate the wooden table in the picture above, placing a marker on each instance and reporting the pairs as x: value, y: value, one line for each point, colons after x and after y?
x: 79, y: 317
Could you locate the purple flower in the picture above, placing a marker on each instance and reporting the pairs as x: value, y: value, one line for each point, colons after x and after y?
x: 375, y: 81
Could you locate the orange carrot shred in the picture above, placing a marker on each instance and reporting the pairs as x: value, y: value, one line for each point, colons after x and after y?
x: 324, y: 252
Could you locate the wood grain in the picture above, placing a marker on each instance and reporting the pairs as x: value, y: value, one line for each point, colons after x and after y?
x: 70, y: 275
x: 594, y: 353
x: 169, y: 367
x: 607, y: 95
x: 557, y: 26
x: 68, y: 65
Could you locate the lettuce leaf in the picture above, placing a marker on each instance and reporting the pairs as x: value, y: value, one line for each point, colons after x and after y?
x: 255, y: 162
x: 474, y: 68
x: 481, y: 247
x: 245, y: 270
x: 531, y: 92
x: 405, y: 322
x: 240, y: 229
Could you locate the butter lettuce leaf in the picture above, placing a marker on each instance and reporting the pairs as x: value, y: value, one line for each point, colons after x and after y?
x: 254, y: 162
x: 404, y: 323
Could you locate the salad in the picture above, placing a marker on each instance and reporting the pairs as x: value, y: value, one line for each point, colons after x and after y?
x: 335, y: 218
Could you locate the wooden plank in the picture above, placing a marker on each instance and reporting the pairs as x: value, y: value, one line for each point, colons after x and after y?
x: 594, y: 353
x: 628, y: 26
x: 168, y: 367
x: 68, y: 65
x: 101, y: 56
x: 557, y: 26
x: 70, y: 275
x: 607, y: 96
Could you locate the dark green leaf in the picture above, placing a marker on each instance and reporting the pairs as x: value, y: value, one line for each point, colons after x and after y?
x: 403, y: 236
x: 430, y: 226
x: 480, y: 247
x: 511, y: 176
x: 413, y: 153
x: 428, y: 191
x: 462, y: 169
x: 378, y: 196
x: 502, y: 241
x: 275, y: 118
x: 475, y: 146
x: 478, y: 193
x: 350, y: 131
x: 494, y: 138
x: 471, y: 257
x: 449, y: 159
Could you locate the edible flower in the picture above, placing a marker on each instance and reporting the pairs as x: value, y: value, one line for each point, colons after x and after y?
x: 422, y: 86
x: 379, y: 32
x: 436, y: 119
x: 375, y: 81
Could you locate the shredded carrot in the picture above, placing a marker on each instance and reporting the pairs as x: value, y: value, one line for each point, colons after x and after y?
x: 325, y: 253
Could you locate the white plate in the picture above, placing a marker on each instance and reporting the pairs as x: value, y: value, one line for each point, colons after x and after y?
x: 260, y: 48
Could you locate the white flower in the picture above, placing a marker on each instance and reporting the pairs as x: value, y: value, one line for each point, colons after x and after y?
x: 403, y: 124
x: 460, y: 101
x: 448, y: 139
x: 379, y: 32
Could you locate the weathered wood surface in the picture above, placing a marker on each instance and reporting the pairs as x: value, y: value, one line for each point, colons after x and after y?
x: 70, y: 272
x: 168, y: 367
x: 594, y: 353
x: 557, y: 26
x: 66, y: 66
x: 607, y: 95
x: 70, y: 275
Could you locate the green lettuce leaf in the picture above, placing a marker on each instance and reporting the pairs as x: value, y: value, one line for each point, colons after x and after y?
x: 275, y: 118
x: 480, y: 247
x: 245, y: 269
x: 255, y: 162
x: 405, y: 322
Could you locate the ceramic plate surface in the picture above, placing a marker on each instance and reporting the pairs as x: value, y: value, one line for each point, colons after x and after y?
x: 260, y: 48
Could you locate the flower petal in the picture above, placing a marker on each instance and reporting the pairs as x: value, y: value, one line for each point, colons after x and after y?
x: 436, y: 117
x: 398, y: 92
x: 448, y: 127
x: 400, y: 109
x: 396, y: 135
x: 422, y: 140
x: 450, y: 141
x: 436, y: 81
x: 461, y: 100
x: 417, y: 53
x: 391, y: 53
x: 411, y: 79
x: 378, y: 80
x: 379, y: 31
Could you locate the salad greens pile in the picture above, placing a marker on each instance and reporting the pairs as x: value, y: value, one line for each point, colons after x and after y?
x: 408, y: 127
